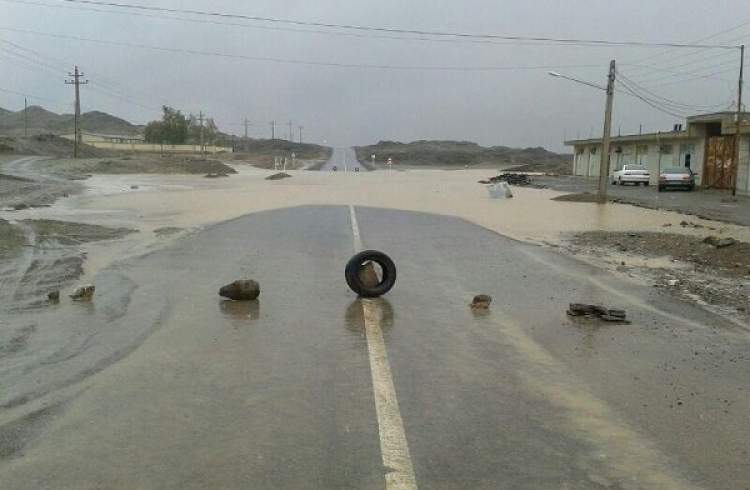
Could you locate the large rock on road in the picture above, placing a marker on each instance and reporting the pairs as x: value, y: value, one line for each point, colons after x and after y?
x: 241, y: 290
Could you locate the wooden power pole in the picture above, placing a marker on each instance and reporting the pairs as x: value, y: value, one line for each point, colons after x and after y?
x: 76, y: 75
x: 273, y: 130
x: 300, y: 133
x: 200, y: 119
x: 604, y: 160
x: 738, y: 134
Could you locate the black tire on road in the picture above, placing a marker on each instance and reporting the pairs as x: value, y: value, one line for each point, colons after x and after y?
x: 386, y: 265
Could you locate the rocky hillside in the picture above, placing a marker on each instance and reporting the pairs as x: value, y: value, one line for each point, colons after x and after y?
x: 463, y: 153
x: 42, y: 121
x: 279, y: 147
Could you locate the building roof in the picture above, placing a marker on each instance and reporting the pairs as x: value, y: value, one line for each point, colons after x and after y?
x: 632, y: 138
x: 726, y: 118
x: 716, y: 116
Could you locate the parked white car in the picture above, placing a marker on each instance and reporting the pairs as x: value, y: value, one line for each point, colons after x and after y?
x: 631, y: 174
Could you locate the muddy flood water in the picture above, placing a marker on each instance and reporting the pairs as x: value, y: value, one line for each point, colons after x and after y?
x: 163, y: 384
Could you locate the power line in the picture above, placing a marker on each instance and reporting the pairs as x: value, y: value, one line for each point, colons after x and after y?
x: 289, y: 29
x: 297, y: 61
x: 669, y: 102
x: 699, y: 77
x: 392, y: 30
x: 32, y: 96
x: 672, y: 69
x: 711, y: 68
x: 650, y: 102
x: 108, y: 89
x: 700, y: 40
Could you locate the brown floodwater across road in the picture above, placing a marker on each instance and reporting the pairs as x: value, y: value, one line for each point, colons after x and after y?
x: 159, y: 383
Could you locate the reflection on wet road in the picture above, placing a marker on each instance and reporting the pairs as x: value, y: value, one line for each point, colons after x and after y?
x: 180, y: 389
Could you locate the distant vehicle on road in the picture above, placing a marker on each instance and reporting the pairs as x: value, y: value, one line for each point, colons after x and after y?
x: 631, y: 174
x: 356, y: 169
x: 676, y: 178
x: 335, y: 168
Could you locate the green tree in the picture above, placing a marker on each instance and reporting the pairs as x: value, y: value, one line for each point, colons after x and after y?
x: 172, y: 129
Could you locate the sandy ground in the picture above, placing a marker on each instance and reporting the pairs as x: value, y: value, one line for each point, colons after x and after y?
x: 152, y: 202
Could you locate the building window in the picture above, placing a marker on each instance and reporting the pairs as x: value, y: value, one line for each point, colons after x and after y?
x: 666, y: 149
x: 642, y: 149
x: 580, y: 151
x: 593, y: 151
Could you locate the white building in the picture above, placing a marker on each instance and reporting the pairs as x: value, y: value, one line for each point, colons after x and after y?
x: 706, y: 145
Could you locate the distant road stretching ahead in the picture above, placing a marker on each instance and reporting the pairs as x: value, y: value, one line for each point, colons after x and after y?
x: 344, y: 159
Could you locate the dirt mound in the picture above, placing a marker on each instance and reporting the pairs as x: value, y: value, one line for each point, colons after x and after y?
x: 47, y: 145
x: 137, y: 164
x: 733, y: 260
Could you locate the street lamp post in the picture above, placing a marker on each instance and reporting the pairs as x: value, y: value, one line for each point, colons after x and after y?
x: 607, y: 134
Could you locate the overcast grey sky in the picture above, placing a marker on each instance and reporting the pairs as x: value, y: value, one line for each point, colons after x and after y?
x: 346, y: 106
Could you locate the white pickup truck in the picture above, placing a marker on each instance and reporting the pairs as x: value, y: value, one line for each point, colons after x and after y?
x: 631, y: 174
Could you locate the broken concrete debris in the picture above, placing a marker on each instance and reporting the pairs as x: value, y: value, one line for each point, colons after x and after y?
x: 481, y: 302
x: 83, y: 293
x: 596, y: 311
x: 510, y: 178
x: 241, y: 290
x: 720, y: 242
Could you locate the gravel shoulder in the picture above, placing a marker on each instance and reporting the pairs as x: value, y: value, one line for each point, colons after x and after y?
x: 685, y: 266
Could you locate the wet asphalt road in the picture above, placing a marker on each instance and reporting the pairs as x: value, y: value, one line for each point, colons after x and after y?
x: 344, y: 159
x: 168, y: 386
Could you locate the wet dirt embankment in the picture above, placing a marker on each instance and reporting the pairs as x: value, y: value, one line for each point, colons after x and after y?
x: 140, y: 164
x: 709, y: 270
x: 40, y: 256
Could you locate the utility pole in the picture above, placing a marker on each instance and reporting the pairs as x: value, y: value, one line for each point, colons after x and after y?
x: 77, y: 82
x: 737, y: 137
x: 246, y: 124
x: 291, y: 134
x: 273, y: 130
x: 300, y: 134
x: 200, y: 118
x: 604, y: 164
x: 25, y: 117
